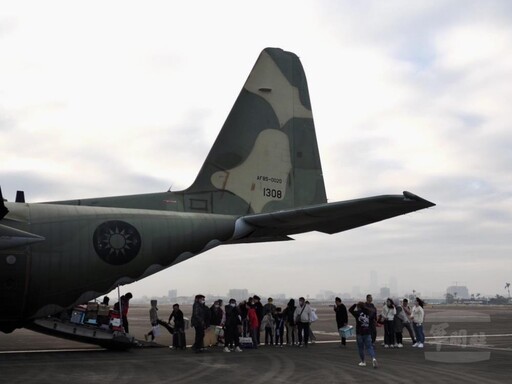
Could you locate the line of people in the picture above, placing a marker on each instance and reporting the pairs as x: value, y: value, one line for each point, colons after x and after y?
x: 249, y: 318
x: 398, y: 315
x: 394, y: 316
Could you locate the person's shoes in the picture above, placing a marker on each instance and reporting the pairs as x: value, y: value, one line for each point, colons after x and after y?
x: 420, y: 345
x: 362, y: 364
x: 301, y: 345
x: 386, y: 346
x: 415, y: 344
x: 226, y: 349
x: 400, y: 345
x: 238, y: 349
x: 374, y: 362
x: 395, y: 345
x: 171, y: 347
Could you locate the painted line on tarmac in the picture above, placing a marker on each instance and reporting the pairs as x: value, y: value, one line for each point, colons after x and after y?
x: 349, y: 340
x: 52, y: 350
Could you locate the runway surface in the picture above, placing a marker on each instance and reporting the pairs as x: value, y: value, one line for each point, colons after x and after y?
x: 470, y: 345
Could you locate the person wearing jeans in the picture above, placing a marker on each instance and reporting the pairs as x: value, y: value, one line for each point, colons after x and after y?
x: 418, y: 316
x: 362, y: 315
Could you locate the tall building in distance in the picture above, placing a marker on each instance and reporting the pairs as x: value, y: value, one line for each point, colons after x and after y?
x: 458, y: 291
x: 172, y: 294
x: 238, y: 294
x: 385, y: 292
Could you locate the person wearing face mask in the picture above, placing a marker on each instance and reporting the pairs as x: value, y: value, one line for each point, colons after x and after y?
x: 216, y: 313
x: 199, y: 322
x: 303, y: 319
x: 231, y: 325
x: 216, y: 316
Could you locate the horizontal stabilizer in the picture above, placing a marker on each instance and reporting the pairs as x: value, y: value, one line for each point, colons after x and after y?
x: 11, y: 237
x: 329, y: 218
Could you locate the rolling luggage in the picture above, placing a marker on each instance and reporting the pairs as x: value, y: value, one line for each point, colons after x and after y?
x: 178, y: 339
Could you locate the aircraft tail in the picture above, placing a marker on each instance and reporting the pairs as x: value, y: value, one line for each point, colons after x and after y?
x: 266, y: 156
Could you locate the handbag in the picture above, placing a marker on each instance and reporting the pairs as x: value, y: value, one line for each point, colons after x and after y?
x: 297, y: 319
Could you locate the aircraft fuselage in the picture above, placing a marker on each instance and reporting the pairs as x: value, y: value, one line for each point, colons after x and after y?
x: 87, y: 251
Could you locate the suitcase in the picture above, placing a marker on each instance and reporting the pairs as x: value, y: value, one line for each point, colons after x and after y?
x: 178, y: 340
x: 245, y: 342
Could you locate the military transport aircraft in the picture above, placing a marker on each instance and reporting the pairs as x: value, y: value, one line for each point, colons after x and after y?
x: 261, y: 181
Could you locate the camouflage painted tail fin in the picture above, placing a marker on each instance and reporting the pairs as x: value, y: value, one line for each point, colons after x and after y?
x: 266, y: 156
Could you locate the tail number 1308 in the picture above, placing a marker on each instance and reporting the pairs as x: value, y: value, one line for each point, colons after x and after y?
x: 270, y: 192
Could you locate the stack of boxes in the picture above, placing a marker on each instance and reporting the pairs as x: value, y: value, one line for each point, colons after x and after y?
x: 95, y: 314
x: 91, y: 315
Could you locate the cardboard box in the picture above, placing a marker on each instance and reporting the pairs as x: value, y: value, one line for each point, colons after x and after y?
x: 346, y: 331
x: 103, y: 310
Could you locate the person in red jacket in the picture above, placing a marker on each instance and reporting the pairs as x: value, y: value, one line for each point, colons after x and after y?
x: 254, y: 324
x: 125, y: 304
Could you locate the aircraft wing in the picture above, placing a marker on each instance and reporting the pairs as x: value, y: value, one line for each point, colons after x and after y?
x: 328, y: 218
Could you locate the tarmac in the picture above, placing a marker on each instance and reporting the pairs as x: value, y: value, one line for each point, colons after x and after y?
x: 463, y: 344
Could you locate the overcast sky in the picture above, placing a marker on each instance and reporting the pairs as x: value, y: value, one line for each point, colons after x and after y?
x: 104, y: 98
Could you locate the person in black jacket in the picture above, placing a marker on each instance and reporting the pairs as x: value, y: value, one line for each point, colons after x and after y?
x: 289, y: 322
x: 363, y: 332
x: 178, y: 337
x: 341, y: 317
x: 373, y: 316
x: 232, y: 322
x: 199, y: 320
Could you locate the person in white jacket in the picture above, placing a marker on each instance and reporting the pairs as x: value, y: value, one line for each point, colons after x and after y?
x: 388, y: 313
x: 418, y: 317
x: 302, y: 317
